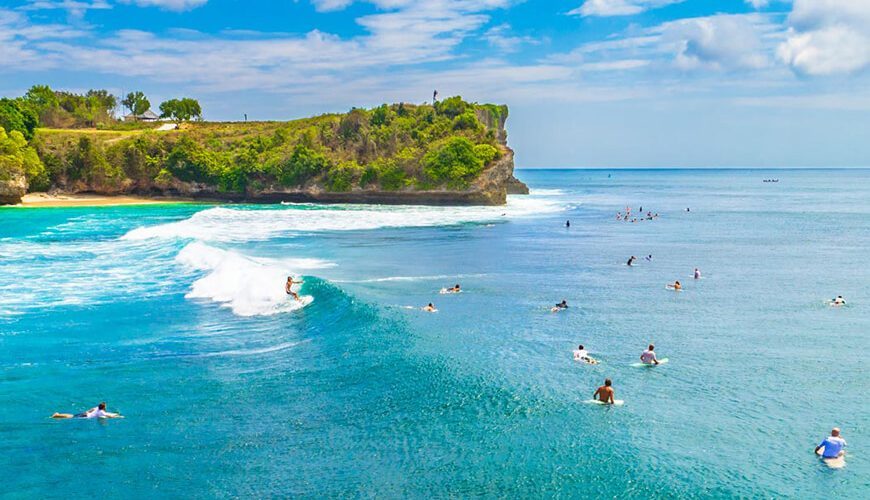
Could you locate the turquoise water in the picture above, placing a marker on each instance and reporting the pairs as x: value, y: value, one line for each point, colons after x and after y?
x: 176, y: 316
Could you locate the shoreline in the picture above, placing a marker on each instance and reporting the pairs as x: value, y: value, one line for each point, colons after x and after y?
x: 45, y: 200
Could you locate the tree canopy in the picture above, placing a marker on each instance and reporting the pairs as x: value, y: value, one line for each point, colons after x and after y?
x: 136, y: 102
x: 181, y: 110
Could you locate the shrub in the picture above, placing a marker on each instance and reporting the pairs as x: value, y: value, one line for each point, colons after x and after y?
x: 486, y: 153
x: 302, y: 165
x: 453, y: 161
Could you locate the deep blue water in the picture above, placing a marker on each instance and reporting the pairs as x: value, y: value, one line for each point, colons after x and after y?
x: 176, y: 316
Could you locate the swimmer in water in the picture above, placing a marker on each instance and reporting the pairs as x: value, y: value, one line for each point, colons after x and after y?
x: 288, y: 287
x: 567, y: 223
x: 676, y: 286
x: 833, y: 445
x: 839, y: 301
x: 649, y: 258
x: 97, y: 412
x: 631, y: 260
x: 580, y: 354
x: 649, y: 356
x: 605, y: 392
x: 455, y: 289
x: 697, y: 273
x: 560, y: 306
x: 430, y: 308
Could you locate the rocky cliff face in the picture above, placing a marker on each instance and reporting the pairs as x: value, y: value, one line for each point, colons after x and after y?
x: 12, y: 189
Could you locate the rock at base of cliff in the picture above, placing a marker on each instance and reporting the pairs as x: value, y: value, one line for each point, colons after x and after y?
x: 11, y: 190
x: 516, y: 186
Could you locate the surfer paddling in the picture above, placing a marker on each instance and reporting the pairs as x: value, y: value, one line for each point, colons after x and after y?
x: 561, y: 306
x: 580, y: 354
x: 430, y: 308
x: 288, y: 287
x: 98, y: 411
x: 605, y: 393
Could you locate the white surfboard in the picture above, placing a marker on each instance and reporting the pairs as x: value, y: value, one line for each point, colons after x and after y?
x: 834, y: 463
x: 616, y: 402
x: 662, y: 361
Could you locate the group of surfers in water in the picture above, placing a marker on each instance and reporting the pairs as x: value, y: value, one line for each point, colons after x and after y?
x: 626, y: 217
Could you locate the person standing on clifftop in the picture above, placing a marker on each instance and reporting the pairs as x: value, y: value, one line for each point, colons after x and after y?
x: 434, y: 97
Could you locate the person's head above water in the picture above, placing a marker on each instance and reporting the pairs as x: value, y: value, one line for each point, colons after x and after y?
x: 835, y: 431
x: 457, y: 286
x: 651, y: 347
x: 102, y: 406
x: 676, y: 282
x: 430, y: 305
x: 580, y: 347
x: 607, y: 382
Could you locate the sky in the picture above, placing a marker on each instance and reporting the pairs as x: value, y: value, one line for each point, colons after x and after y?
x: 590, y: 83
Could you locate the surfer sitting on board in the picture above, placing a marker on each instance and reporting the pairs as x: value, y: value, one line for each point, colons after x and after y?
x: 580, y: 354
x: 833, y: 445
x: 288, y: 287
x: 97, y: 412
x: 649, y: 357
x: 605, y: 392
x: 697, y: 273
x: 631, y: 260
x: 560, y: 306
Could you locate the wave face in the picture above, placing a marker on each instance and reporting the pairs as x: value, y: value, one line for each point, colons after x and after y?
x: 257, y: 224
x: 248, y: 286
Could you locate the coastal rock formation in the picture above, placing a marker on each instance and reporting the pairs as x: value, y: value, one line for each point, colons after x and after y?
x: 12, y: 188
x: 449, y: 153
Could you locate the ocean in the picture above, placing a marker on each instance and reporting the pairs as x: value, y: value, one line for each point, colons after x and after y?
x: 176, y: 316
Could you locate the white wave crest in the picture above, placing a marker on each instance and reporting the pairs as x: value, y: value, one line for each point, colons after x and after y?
x: 249, y: 286
x: 229, y: 225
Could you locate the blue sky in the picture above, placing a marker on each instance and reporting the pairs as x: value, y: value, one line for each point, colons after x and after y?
x: 594, y: 83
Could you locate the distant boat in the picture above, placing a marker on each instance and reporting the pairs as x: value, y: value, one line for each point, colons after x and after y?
x: 771, y: 180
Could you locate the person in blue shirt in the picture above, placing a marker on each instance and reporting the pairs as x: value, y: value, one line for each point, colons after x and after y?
x: 833, y: 445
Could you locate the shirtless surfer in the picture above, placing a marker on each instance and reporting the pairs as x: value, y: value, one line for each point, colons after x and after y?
x: 288, y: 287
x: 97, y: 412
x: 676, y: 286
x: 430, y: 308
x: 561, y: 306
x: 454, y: 289
x: 605, y: 392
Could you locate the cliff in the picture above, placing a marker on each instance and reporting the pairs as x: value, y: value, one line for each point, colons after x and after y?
x: 452, y: 153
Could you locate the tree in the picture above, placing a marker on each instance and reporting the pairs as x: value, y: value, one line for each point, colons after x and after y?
x: 41, y: 98
x: 15, y: 115
x: 136, y: 102
x: 180, y: 110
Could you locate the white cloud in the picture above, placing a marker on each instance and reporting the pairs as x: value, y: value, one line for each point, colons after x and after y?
x: 75, y: 8
x: 720, y: 42
x: 758, y: 4
x: 606, y: 8
x: 330, y: 5
x: 175, y: 5
x: 500, y: 37
x: 828, y: 37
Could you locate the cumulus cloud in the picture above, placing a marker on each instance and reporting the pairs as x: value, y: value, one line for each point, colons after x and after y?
x: 605, y: 8
x: 758, y: 4
x: 827, y: 37
x: 721, y: 42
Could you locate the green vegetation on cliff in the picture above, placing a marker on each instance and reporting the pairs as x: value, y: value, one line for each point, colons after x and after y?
x: 389, y: 148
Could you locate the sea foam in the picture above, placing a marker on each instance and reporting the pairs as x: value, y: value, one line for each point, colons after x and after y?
x: 248, y: 286
x: 245, y: 224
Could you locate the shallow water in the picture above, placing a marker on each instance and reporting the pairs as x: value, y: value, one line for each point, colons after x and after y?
x: 176, y: 316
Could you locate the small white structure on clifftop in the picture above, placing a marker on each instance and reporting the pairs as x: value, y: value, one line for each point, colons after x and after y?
x: 148, y: 116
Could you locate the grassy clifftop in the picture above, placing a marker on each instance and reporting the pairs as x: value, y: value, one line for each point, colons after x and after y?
x: 391, y: 148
